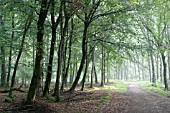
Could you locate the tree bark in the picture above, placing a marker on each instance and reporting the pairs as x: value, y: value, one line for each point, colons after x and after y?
x: 69, y: 58
x: 39, y: 53
x: 60, y: 55
x: 164, y: 71
x: 86, y: 25
x: 27, y: 25
x: 102, y: 71
x: 92, y: 70
x: 153, y: 70
x: 3, y: 67
x: 95, y: 73
x: 52, y: 48
x: 10, y: 52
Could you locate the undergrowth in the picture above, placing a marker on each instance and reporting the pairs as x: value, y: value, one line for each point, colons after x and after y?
x: 159, y: 89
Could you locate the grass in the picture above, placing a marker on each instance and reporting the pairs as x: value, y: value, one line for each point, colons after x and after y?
x: 120, y: 86
x: 155, y: 89
x: 105, y: 98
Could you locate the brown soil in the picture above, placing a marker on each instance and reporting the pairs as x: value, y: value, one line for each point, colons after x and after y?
x: 88, y: 101
x: 135, y: 100
x: 142, y: 101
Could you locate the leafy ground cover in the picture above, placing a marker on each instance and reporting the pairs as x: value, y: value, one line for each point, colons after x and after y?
x: 96, y: 100
x: 159, y: 89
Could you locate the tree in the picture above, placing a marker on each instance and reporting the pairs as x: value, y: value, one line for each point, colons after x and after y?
x: 39, y: 53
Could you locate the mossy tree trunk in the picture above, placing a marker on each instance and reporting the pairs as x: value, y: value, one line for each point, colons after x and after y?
x: 39, y: 52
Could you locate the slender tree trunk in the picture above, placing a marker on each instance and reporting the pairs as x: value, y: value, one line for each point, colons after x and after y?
x: 164, y: 71
x: 95, y: 73
x: 87, y: 65
x: 161, y: 74
x: 60, y: 60
x: 102, y: 71
x: 10, y: 52
x: 157, y: 66
x: 27, y: 25
x: 104, y: 66
x: 169, y: 65
x: 153, y: 70
x: 60, y: 55
x: 39, y: 52
x: 86, y: 24
x: 92, y: 70
x: 150, y: 72
x: 3, y: 67
x: 85, y: 73
x: 108, y: 68
x: 52, y: 49
x: 69, y: 58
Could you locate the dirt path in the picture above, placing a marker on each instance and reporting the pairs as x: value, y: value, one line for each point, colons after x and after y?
x: 146, y: 102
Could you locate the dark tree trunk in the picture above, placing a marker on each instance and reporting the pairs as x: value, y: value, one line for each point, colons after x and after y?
x: 108, y: 69
x: 150, y: 72
x: 102, y: 71
x: 153, y: 70
x: 169, y: 65
x: 27, y: 25
x: 39, y: 53
x: 157, y: 66
x: 161, y: 74
x: 10, y: 52
x: 69, y: 58
x: 60, y: 55
x: 95, y: 73
x: 86, y: 68
x: 104, y: 66
x: 86, y: 24
x: 3, y: 67
x: 164, y: 71
x: 52, y: 48
x: 92, y: 70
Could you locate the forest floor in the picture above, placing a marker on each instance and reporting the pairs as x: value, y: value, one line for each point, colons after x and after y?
x: 135, y: 100
x: 91, y: 100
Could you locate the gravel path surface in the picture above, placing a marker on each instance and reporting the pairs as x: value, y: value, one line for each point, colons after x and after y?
x: 142, y: 101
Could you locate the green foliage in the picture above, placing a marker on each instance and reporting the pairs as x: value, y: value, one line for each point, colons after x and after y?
x: 158, y: 89
x: 106, y: 97
x: 120, y: 86
x: 9, y: 99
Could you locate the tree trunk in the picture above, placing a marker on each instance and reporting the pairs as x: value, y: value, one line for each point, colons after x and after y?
x: 39, y: 52
x: 52, y: 48
x: 157, y: 66
x: 153, y: 70
x: 85, y: 73
x: 169, y: 65
x: 27, y: 25
x: 86, y: 24
x: 161, y: 74
x: 3, y: 68
x: 69, y: 57
x: 92, y: 70
x: 102, y: 71
x: 95, y: 73
x: 60, y: 55
x: 10, y: 52
x: 164, y: 71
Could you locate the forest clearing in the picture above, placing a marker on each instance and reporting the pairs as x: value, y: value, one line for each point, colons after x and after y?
x: 85, y: 56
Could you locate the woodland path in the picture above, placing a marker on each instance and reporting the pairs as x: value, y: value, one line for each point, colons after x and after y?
x: 142, y: 101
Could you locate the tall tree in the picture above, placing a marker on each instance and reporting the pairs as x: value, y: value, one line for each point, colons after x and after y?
x: 26, y: 27
x: 39, y: 51
x: 55, y: 24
